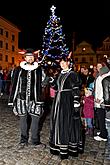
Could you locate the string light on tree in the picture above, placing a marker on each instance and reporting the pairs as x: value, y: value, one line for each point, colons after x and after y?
x: 53, y: 9
x: 54, y: 42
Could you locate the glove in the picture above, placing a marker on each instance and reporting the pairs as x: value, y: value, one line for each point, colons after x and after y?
x: 14, y: 109
x: 15, y: 112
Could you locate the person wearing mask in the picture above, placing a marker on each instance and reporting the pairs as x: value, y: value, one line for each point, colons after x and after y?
x: 25, y: 97
x: 65, y: 121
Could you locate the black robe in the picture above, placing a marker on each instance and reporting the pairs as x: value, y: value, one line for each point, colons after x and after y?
x: 65, y: 125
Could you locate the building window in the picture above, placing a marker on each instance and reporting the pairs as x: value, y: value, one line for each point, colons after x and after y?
x: 6, y: 45
x: 1, y: 57
x: 1, y: 31
x: 6, y: 34
x: 91, y: 59
x: 13, y: 60
x: 83, y: 59
x: 6, y: 58
x: 13, y: 48
x: 1, y: 44
x: 13, y: 37
x: 76, y: 59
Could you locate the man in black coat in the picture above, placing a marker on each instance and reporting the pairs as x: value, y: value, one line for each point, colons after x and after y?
x: 26, y: 98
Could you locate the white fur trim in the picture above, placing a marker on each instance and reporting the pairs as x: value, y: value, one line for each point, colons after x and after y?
x: 76, y: 104
x: 51, y: 79
x: 28, y: 67
x: 65, y: 71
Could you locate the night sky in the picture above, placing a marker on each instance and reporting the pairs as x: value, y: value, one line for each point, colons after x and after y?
x: 90, y: 22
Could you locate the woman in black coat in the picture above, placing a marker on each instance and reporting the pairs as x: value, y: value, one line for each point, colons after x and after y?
x: 65, y: 126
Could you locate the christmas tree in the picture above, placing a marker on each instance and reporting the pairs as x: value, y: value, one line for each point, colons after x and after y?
x: 54, y: 43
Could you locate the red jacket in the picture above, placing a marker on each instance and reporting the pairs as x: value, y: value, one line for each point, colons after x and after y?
x: 88, y: 109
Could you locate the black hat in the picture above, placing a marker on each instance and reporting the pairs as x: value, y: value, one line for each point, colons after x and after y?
x: 29, y: 52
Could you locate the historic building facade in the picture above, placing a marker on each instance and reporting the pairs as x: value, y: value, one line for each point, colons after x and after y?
x: 9, y: 37
x: 104, y: 50
x: 84, y: 55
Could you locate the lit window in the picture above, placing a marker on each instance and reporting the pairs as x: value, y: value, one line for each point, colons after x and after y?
x: 83, y: 49
x: 105, y: 55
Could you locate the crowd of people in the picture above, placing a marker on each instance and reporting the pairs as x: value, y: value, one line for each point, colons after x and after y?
x: 5, y: 80
x: 80, y: 103
x: 96, y: 101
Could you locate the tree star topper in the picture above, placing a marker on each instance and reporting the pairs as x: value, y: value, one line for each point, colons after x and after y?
x: 53, y: 9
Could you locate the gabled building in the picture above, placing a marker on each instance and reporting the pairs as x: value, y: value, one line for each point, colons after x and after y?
x: 103, y: 51
x: 9, y: 36
x: 84, y: 55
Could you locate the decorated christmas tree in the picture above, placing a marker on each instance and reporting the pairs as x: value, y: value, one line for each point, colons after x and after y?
x: 54, y: 42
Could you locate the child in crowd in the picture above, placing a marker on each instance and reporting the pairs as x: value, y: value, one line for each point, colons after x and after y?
x: 88, y: 110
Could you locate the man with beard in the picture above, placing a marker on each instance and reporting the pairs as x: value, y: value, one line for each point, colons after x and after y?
x: 26, y: 98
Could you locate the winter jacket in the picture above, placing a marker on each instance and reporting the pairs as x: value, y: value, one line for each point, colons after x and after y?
x: 88, y: 109
x: 106, y: 94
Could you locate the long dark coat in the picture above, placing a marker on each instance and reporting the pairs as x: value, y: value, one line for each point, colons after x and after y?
x: 65, y: 125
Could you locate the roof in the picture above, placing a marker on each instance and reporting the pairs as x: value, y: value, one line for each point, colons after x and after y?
x: 10, y: 23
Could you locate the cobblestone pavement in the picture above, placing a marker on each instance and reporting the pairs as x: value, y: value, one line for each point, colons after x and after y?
x: 96, y: 153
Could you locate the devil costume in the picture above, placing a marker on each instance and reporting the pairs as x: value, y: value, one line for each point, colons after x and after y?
x: 26, y: 98
x: 65, y: 126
